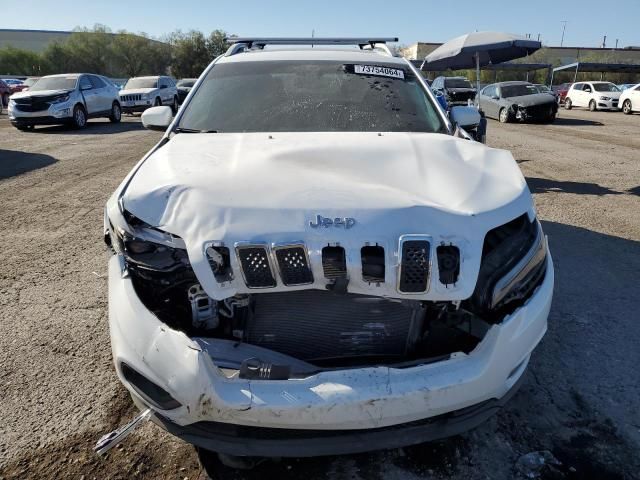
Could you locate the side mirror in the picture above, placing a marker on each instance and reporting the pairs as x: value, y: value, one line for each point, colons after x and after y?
x: 157, y: 118
x: 465, y: 117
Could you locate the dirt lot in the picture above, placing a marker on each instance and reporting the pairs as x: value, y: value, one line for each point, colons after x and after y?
x: 59, y: 392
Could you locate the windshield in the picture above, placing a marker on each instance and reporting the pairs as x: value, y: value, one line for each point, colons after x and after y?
x: 295, y: 96
x: 12, y: 81
x: 543, y: 88
x: 141, y: 83
x: 518, y: 90
x: 605, y: 87
x: 457, y: 83
x: 54, y: 83
x: 185, y: 83
x: 29, y: 81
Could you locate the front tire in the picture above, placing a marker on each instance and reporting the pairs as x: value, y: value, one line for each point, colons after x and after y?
x: 592, y: 106
x: 157, y: 102
x: 567, y: 103
x: 174, y: 105
x: 627, y: 108
x: 116, y: 113
x: 504, y: 116
x: 79, y: 117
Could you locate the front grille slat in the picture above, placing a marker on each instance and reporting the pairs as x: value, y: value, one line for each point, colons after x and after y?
x: 414, y: 266
x: 256, y: 269
x: 293, y: 265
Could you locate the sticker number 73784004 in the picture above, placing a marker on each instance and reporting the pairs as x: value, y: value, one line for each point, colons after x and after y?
x: 377, y: 70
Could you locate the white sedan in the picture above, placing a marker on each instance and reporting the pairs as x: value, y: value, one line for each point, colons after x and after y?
x: 630, y: 100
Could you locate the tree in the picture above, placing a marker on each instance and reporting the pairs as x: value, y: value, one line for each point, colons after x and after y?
x: 15, y: 61
x: 190, y: 53
x: 216, y: 44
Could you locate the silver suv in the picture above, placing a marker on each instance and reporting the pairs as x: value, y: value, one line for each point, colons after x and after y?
x: 65, y: 99
x: 140, y: 93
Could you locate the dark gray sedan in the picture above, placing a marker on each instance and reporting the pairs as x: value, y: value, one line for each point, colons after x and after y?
x: 509, y: 101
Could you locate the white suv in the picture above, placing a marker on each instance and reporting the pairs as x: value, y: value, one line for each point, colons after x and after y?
x: 593, y: 95
x: 313, y: 260
x: 140, y: 93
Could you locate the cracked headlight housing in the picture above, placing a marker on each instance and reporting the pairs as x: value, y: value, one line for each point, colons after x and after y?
x: 60, y: 99
x: 514, y: 260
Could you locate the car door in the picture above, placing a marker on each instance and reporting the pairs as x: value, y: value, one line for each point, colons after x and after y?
x: 90, y: 96
x: 103, y: 97
x: 634, y: 96
x: 165, y: 94
x: 492, y: 101
x: 587, y: 94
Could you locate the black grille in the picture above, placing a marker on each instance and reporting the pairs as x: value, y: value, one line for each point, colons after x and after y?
x: 293, y: 265
x: 31, y: 104
x: 448, y: 263
x: 334, y: 262
x: 372, y: 264
x: 414, y: 268
x: 255, y: 267
x: 130, y: 98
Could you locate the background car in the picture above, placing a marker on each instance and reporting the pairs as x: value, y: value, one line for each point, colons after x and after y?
x: 593, y: 95
x: 561, y: 91
x: 14, y: 84
x: 457, y: 90
x: 508, y: 101
x: 625, y: 86
x: 542, y: 88
x: 629, y: 100
x: 5, y: 92
x: 65, y: 99
x: 28, y: 82
x: 140, y: 93
x: 184, y: 86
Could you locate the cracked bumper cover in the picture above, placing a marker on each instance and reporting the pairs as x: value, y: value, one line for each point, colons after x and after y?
x: 368, y: 408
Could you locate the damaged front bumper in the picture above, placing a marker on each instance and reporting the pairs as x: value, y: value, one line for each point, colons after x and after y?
x: 326, y: 412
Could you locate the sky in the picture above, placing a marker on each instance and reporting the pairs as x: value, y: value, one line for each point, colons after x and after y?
x: 411, y: 20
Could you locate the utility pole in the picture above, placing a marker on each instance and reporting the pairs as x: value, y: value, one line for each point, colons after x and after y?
x: 604, y: 42
x: 564, y: 26
x: 617, y: 42
x: 538, y: 37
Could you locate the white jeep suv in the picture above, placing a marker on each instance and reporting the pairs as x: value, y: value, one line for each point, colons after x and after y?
x: 593, y: 95
x: 140, y: 93
x: 313, y: 260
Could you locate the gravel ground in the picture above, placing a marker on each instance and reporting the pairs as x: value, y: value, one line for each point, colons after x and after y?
x: 59, y: 393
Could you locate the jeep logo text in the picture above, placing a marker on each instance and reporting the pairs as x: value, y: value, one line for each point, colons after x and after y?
x: 340, y: 222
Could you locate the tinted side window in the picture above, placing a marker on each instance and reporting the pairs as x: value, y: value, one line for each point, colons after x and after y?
x: 162, y: 82
x: 96, y: 81
x: 85, y: 83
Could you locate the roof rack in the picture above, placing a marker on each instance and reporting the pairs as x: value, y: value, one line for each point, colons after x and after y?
x: 241, y: 44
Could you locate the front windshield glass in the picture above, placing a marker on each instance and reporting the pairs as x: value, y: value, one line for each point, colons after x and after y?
x: 457, y: 83
x: 186, y: 83
x: 322, y: 96
x: 141, y: 83
x: 543, y: 89
x: 518, y: 90
x: 605, y: 87
x: 54, y: 83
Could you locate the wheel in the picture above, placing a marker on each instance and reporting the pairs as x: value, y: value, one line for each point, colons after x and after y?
x: 116, y: 113
x: 157, y: 102
x: 79, y: 117
x: 504, y: 115
x: 174, y: 105
x: 567, y: 103
x: 626, y: 107
x: 592, y: 106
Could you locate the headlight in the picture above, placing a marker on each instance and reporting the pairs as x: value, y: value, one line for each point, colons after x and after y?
x: 145, y: 247
x: 605, y: 98
x: 513, y: 265
x: 60, y: 99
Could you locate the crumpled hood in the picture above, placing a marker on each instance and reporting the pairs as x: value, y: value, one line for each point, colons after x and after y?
x: 137, y: 91
x: 260, y: 187
x: 530, y: 100
x: 40, y: 93
x: 230, y: 177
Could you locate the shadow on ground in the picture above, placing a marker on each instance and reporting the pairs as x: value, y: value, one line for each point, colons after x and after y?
x: 14, y: 162
x: 545, y: 185
x: 576, y: 122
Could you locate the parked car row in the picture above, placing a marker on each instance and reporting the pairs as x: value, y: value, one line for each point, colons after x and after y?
x: 71, y: 99
x: 509, y: 101
x: 603, y: 96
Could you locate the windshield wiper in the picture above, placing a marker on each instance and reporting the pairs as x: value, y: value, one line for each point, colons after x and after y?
x: 193, y: 130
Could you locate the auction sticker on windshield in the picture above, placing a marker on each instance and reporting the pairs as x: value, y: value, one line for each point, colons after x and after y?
x: 377, y: 70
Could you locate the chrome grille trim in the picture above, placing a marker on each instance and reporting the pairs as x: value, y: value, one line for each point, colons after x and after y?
x: 403, y: 267
x: 259, y: 252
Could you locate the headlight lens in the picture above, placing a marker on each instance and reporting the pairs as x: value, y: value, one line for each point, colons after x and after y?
x: 605, y: 98
x: 513, y: 265
x: 60, y: 99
